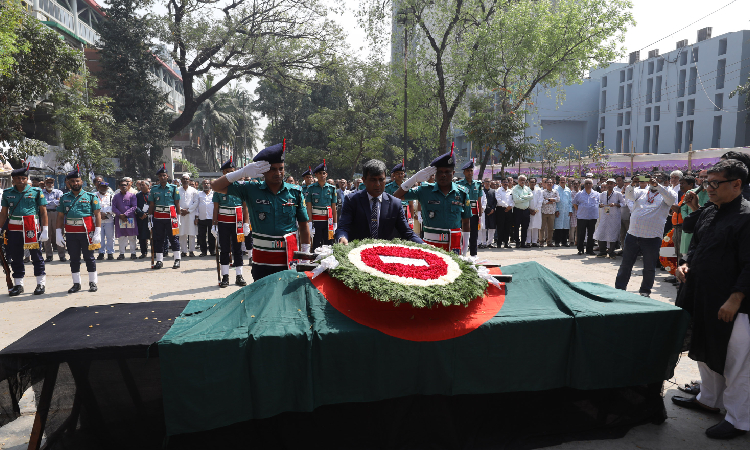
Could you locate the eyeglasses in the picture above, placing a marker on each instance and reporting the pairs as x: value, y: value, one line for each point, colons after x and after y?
x: 714, y: 184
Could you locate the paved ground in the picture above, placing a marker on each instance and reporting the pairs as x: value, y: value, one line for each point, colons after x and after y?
x: 132, y: 281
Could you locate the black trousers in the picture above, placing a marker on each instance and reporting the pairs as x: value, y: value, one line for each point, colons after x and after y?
x: 321, y: 235
x: 504, y: 221
x: 259, y: 271
x: 521, y: 218
x: 228, y: 242
x: 560, y: 236
x: 144, y: 234
x: 77, y: 244
x: 15, y: 255
x: 162, y: 234
x: 586, y: 228
x: 473, y: 234
x: 204, y: 230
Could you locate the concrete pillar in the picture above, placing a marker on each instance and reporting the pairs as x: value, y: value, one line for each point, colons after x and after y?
x: 35, y: 7
x: 74, y: 8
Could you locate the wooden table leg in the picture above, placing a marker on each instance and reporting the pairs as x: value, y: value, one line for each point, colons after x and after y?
x: 37, y: 431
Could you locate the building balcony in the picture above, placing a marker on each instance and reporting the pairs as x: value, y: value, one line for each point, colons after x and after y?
x: 66, y: 21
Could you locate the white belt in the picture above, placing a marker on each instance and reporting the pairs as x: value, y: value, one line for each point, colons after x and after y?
x: 268, y: 242
x: 162, y: 208
x: 227, y: 211
x: 71, y: 221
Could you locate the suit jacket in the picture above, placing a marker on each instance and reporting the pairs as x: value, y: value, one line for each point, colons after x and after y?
x: 354, y: 222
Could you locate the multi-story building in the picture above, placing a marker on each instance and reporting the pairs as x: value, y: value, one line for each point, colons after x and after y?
x: 75, y: 20
x: 678, y: 101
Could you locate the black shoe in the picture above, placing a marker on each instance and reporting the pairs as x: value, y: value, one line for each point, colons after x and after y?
x: 121, y: 257
x: 17, y: 289
x: 27, y: 259
x: 202, y: 254
x: 143, y: 255
x: 506, y: 246
x: 132, y: 256
x: 39, y: 289
x: 76, y: 287
x: 239, y: 281
x: 192, y: 255
x: 567, y: 245
x: 533, y: 245
x: 100, y: 257
x: 213, y: 253
x: 591, y: 253
x: 110, y: 257
x: 244, y: 253
x: 176, y: 264
x: 692, y: 403
x: 166, y: 254
x: 158, y: 265
x: 580, y: 252
x: 183, y: 254
x: 224, y: 281
x: 48, y: 259
x: 670, y: 279
x: 92, y: 287
x: 724, y: 430
x: 601, y: 255
x: 63, y: 259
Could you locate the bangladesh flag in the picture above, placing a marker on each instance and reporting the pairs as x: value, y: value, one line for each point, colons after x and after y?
x: 289, y: 343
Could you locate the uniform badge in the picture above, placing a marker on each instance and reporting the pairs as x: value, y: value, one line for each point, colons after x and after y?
x: 96, y: 202
x: 156, y: 198
x: 431, y: 214
x: 11, y: 203
x: 262, y: 216
x: 316, y: 200
x: 29, y: 234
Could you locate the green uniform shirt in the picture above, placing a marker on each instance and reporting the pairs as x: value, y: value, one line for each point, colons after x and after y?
x: 164, y: 196
x: 24, y: 203
x: 77, y: 206
x: 272, y: 214
x: 226, y: 200
x: 361, y: 187
x: 474, y: 188
x: 321, y: 197
x: 391, y: 187
x: 439, y: 210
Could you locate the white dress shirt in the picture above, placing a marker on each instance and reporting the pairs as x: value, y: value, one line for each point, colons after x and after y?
x: 650, y: 211
x: 379, y: 202
x: 504, y: 197
x: 205, y: 208
x: 105, y: 204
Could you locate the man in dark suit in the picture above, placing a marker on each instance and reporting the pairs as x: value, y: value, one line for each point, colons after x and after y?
x: 373, y: 213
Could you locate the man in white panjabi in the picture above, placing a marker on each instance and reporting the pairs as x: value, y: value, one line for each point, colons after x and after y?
x: 607, y: 233
x: 188, y: 205
x: 535, y: 210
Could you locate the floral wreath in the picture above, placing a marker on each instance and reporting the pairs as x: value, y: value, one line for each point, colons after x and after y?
x: 401, y: 271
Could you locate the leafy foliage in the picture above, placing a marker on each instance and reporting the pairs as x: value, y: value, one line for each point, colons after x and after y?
x: 11, y: 21
x: 48, y: 62
x: 183, y: 165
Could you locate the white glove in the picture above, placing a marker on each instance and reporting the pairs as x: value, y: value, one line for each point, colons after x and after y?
x: 419, y: 177
x: 215, y: 230
x: 335, y: 226
x: 150, y: 225
x: 59, y: 236
x: 252, y: 170
x: 465, y: 242
x: 44, y: 236
x: 419, y: 216
x: 305, y: 248
x: 245, y: 229
x: 145, y: 208
x: 97, y: 237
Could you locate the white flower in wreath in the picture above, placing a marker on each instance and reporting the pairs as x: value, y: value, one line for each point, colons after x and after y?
x: 453, y: 272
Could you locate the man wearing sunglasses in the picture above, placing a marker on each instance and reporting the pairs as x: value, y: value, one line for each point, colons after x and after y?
x: 717, y: 280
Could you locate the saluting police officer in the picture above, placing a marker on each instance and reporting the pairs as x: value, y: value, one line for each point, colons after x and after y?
x: 319, y: 198
x: 164, y: 202
x: 474, y: 188
x: 27, y: 209
x: 275, y: 208
x: 78, y: 213
x: 398, y: 175
x: 225, y: 223
x: 445, y: 205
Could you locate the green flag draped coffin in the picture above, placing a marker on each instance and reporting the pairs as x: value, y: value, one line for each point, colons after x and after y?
x: 290, y: 343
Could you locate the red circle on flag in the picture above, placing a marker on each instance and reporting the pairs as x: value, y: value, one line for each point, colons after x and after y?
x: 407, y: 322
x: 436, y: 266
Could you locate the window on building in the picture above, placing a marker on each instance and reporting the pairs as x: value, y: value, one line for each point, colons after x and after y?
x: 680, y: 109
x: 683, y: 57
x: 618, y: 144
x: 678, y: 137
x: 626, y: 138
x: 681, y: 84
x: 619, y: 119
x: 622, y: 76
x: 601, y: 123
x: 604, y: 82
x: 694, y: 58
x: 630, y: 74
x: 659, y: 65
x: 646, y: 139
x: 657, y: 90
x: 693, y: 80
x: 721, y: 67
x: 722, y: 46
x: 621, y: 98
x: 604, y: 101
x: 649, y: 90
x: 718, y: 102
x: 655, y: 139
x: 629, y: 96
x: 648, y: 115
x: 627, y: 118
x: 716, y: 140
x: 657, y: 113
x: 650, y: 67
x: 691, y: 107
x: 688, y: 135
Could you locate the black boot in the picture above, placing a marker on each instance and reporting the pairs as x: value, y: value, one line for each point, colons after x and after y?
x: 110, y: 257
x: 132, y: 256
x: 176, y: 264
x: 239, y: 281
x: 121, y: 257
x: 92, y: 287
x: 76, y: 287
x: 158, y: 265
x: 100, y: 257
x: 224, y: 281
x: 39, y: 289
x: 17, y: 289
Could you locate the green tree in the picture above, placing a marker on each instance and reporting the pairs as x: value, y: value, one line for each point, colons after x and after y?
x: 127, y: 75
x: 48, y: 62
x: 550, y: 155
x: 11, y: 22
x: 214, y: 123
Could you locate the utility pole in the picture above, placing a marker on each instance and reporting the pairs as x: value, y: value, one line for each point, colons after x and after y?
x: 404, y: 19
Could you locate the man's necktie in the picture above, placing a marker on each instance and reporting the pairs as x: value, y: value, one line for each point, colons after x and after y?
x: 374, y: 219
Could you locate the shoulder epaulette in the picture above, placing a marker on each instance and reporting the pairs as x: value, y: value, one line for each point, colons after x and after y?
x: 462, y: 188
x: 296, y: 187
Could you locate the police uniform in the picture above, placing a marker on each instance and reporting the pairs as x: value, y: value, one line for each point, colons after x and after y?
x: 320, y: 199
x: 164, y: 217
x: 391, y: 188
x: 476, y: 192
x: 82, y: 236
x: 442, y: 213
x: 229, y: 214
x: 273, y: 217
x: 23, y: 223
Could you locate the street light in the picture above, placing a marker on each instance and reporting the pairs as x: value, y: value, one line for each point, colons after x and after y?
x: 403, y: 18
